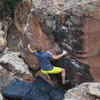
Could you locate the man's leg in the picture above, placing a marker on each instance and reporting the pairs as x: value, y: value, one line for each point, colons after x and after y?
x: 46, y: 74
x: 63, y: 75
x: 48, y: 77
x: 57, y: 70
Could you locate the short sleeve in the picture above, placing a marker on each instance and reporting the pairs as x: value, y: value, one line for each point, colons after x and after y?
x: 34, y: 52
x: 50, y: 55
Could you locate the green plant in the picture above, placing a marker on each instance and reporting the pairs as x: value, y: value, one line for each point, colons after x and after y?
x: 8, y: 5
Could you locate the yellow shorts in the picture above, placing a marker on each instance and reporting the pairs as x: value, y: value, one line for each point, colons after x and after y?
x: 55, y: 70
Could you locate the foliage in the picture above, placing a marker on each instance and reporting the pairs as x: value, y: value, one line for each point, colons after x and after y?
x: 8, y: 5
x: 7, y: 8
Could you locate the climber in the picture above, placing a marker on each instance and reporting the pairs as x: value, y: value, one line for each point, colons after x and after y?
x: 44, y: 57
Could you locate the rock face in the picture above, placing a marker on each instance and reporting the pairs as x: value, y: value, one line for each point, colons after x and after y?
x: 1, y: 25
x: 74, y: 25
x: 94, y: 89
x: 83, y: 92
x: 3, y: 41
x: 1, y: 97
x: 91, y: 44
x: 5, y: 78
x: 15, y: 65
x: 33, y: 34
x: 57, y: 26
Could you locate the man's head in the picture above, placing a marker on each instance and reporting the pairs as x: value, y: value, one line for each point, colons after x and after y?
x: 38, y: 48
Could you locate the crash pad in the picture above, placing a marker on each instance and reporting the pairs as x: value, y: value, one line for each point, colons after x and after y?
x: 42, y: 90
x: 17, y: 89
x: 39, y: 90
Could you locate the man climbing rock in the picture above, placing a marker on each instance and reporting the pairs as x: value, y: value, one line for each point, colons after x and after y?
x: 44, y: 58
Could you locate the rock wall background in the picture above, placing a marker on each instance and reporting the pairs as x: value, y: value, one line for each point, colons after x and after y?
x: 74, y: 26
x: 84, y: 91
x: 56, y: 30
x: 54, y: 25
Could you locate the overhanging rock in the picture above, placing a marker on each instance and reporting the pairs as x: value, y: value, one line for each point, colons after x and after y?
x: 39, y: 90
x: 28, y: 24
x: 15, y: 65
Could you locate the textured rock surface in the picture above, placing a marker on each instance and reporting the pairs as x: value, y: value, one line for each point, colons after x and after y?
x: 94, y: 89
x: 82, y: 92
x: 55, y: 6
x: 32, y: 33
x: 5, y: 78
x: 74, y: 25
x: 1, y: 25
x: 3, y: 41
x: 3, y: 33
x: 14, y: 64
x: 53, y: 30
x: 1, y: 97
x: 91, y: 43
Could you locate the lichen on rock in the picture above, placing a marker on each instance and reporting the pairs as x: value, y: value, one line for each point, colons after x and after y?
x: 5, y: 78
x: 1, y: 97
x: 82, y: 92
x: 14, y: 64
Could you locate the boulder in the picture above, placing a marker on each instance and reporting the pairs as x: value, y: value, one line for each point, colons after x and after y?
x: 61, y: 6
x: 3, y: 41
x: 49, y: 32
x: 1, y: 25
x: 15, y: 65
x: 33, y: 34
x: 2, y: 33
x: 94, y: 89
x: 91, y: 44
x: 74, y: 25
x: 5, y: 78
x: 1, y: 97
x: 82, y: 92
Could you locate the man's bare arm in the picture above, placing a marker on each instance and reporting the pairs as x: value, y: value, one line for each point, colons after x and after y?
x: 30, y: 49
x: 56, y: 57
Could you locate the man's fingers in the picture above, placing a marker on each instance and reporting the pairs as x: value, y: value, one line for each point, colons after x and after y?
x: 64, y: 52
x: 28, y: 45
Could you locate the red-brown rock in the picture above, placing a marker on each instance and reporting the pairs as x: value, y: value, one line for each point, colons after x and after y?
x: 33, y: 33
x: 5, y: 78
x: 28, y: 24
x: 91, y: 29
